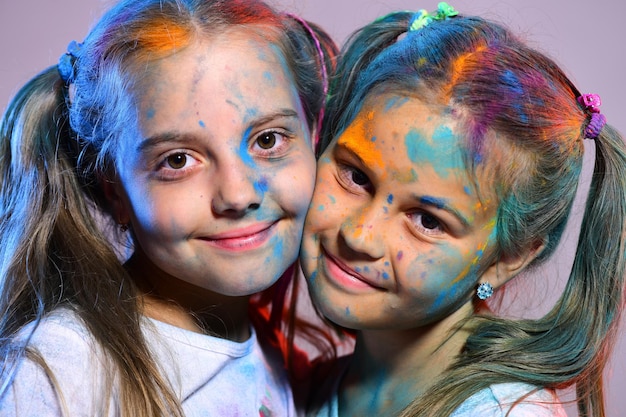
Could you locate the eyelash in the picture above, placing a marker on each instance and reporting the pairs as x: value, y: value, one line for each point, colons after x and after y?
x: 438, y: 230
x: 346, y: 175
x: 279, y: 135
x: 167, y: 171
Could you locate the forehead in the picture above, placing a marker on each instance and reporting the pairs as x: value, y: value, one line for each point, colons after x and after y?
x: 415, y: 132
x: 237, y: 68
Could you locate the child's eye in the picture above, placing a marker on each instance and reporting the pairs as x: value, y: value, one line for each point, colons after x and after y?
x: 176, y: 164
x: 426, y: 223
x: 271, y: 142
x: 353, y: 177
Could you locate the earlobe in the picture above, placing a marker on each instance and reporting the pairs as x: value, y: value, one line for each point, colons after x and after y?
x: 115, y: 196
x: 507, y: 267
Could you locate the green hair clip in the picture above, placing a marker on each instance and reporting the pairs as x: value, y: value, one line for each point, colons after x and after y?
x: 423, y: 18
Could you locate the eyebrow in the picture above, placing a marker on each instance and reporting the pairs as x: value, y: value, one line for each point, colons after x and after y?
x: 175, y: 136
x: 441, y: 204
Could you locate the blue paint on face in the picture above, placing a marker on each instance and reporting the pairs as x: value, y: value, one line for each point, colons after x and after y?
x: 432, y: 201
x: 269, y: 77
x: 385, y: 275
x: 390, y: 198
x: 150, y: 113
x: 373, y: 139
x: 321, y: 207
x: 395, y: 101
x: 261, y: 186
x: 332, y: 199
x: 243, y: 149
x: 279, y: 247
x: 435, y: 151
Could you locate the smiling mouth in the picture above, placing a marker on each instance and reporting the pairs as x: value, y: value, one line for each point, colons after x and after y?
x: 243, y: 239
x: 345, y: 277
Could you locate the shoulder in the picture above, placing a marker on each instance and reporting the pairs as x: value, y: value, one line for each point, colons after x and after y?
x: 512, y: 400
x: 62, y: 366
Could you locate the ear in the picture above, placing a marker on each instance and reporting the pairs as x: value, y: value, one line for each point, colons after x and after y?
x: 114, y: 193
x: 506, y: 267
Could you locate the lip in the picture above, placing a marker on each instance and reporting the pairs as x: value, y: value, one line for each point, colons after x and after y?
x: 345, y: 277
x: 243, y: 239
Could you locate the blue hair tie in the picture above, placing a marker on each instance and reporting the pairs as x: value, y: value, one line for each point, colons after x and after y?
x: 67, y: 62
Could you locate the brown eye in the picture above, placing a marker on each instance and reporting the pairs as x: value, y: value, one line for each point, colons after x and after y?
x: 177, y: 160
x: 267, y: 140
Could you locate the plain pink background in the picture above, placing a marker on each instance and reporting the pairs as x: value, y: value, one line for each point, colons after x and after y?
x: 587, y: 38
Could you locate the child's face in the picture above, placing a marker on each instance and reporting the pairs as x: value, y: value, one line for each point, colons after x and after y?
x: 218, y: 174
x: 395, y: 233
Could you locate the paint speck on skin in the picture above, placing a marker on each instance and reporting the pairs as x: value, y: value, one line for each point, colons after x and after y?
x: 321, y: 207
x: 269, y: 77
x: 150, y: 113
x: 261, y: 186
x: 332, y: 199
x: 395, y: 102
x: 432, y: 201
x: 390, y: 199
x: 201, y: 123
x: 399, y: 256
x: 385, y: 275
x: 373, y: 139
x: 347, y: 311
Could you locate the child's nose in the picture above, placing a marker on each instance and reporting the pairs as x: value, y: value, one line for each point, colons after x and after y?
x: 236, y: 193
x: 363, y: 232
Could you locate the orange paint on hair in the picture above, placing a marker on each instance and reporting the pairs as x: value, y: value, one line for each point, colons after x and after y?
x: 358, y: 139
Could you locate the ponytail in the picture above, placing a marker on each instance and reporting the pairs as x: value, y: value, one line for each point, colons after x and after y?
x: 595, y: 291
x: 54, y: 254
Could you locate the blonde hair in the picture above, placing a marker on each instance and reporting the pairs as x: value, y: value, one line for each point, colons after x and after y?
x: 53, y: 251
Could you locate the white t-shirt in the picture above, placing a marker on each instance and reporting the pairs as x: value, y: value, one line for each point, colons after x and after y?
x: 211, y: 376
x: 494, y: 401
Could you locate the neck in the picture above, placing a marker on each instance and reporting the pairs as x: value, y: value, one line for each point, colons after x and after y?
x: 181, y: 304
x: 390, y: 368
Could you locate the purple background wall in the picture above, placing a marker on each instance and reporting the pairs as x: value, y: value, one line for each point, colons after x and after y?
x: 586, y: 38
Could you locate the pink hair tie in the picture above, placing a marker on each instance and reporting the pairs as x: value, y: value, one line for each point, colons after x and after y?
x: 325, y: 82
x: 592, y: 103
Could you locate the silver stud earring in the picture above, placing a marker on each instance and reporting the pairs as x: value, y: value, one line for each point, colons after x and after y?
x: 484, y: 291
x: 124, y: 227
